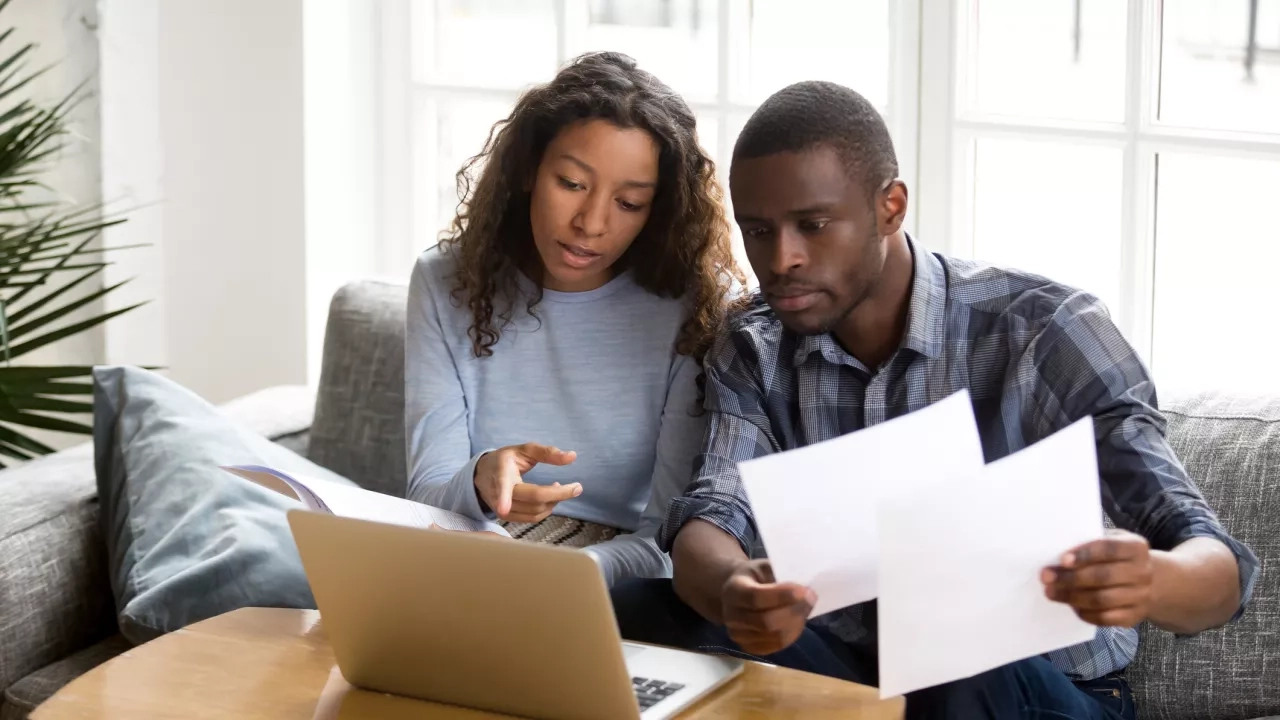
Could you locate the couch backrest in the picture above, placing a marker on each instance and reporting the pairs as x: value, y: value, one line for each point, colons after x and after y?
x: 358, y: 430
x: 1231, y: 448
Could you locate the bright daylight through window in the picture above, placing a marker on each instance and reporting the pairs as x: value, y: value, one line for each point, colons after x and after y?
x: 1129, y: 148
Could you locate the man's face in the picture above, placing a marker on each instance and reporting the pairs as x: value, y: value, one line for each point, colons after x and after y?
x: 811, y: 235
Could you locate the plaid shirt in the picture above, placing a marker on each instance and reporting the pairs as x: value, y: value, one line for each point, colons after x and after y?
x: 1034, y: 355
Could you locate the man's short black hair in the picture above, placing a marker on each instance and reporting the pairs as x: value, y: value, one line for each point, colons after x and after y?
x: 813, y: 113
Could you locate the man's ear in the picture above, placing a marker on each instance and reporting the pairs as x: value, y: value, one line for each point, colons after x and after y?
x: 891, y: 207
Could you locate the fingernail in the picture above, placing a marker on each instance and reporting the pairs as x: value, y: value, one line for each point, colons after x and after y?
x: 811, y: 597
x: 1048, y: 576
x: 1069, y: 559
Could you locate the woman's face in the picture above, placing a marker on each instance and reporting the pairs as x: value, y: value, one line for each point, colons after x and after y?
x: 591, y: 197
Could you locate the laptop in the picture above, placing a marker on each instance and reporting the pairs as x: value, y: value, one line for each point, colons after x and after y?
x: 487, y: 623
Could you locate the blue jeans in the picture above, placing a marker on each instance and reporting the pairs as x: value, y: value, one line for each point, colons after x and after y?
x: 649, y: 611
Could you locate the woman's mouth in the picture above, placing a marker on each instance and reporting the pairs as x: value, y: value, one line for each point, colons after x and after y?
x: 577, y: 256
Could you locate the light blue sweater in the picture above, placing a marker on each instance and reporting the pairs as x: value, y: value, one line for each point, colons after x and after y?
x: 595, y: 372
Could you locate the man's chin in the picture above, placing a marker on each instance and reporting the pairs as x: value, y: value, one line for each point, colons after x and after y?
x: 803, y: 323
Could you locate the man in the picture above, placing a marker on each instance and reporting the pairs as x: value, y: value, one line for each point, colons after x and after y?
x: 857, y: 323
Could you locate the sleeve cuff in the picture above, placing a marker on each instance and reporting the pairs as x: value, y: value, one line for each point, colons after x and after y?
x: 462, y: 491
x: 1246, y: 561
x: 684, y: 509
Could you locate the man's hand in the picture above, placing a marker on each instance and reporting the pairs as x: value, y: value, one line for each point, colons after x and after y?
x: 499, y: 483
x: 1107, y: 581
x: 764, y: 616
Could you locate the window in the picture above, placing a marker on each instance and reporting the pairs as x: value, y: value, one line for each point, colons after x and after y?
x: 1130, y: 149
x: 454, y: 67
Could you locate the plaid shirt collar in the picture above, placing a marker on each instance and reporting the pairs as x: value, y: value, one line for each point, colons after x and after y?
x: 926, y: 317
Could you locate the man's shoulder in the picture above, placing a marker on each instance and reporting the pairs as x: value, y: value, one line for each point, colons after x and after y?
x: 1011, y: 296
x: 751, y: 331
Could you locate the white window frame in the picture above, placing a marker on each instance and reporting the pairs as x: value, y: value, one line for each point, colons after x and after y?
x: 947, y: 135
x: 399, y: 239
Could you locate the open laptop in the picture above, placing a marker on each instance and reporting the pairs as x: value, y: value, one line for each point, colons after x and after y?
x: 487, y: 623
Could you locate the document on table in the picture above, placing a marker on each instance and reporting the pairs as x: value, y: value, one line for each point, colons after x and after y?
x: 815, y: 507
x: 960, y: 589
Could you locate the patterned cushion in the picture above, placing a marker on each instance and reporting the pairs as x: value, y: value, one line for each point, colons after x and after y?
x: 358, y: 430
x: 1231, y: 448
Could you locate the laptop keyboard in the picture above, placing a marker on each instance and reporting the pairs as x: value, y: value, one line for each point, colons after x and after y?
x: 651, y: 692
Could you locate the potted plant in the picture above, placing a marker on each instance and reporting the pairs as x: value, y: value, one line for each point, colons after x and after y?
x: 47, y: 251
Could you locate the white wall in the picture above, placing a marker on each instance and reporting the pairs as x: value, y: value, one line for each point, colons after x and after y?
x: 66, y: 43
x: 341, y: 107
x: 202, y: 115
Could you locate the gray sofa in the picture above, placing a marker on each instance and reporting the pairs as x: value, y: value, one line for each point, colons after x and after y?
x: 56, y: 611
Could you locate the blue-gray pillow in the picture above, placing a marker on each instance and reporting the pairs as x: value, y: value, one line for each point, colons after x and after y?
x: 187, y: 541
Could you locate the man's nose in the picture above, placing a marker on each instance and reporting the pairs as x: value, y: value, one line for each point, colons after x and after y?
x: 789, y: 252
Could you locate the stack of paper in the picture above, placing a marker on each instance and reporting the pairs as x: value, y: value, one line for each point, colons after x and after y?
x: 907, y: 512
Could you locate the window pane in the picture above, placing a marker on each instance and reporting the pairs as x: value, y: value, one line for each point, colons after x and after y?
x: 1217, y: 250
x: 504, y: 44
x: 676, y: 40
x: 844, y: 41
x: 449, y: 133
x: 1050, y: 59
x: 1051, y: 209
x: 1209, y: 77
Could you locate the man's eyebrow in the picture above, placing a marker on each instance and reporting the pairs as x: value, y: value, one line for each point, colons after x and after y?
x: 819, y: 209
x: 588, y: 168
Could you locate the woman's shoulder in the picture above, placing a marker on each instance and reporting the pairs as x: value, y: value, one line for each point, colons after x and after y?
x: 437, y: 264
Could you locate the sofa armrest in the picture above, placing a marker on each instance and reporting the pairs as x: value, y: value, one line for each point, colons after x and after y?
x: 55, y: 594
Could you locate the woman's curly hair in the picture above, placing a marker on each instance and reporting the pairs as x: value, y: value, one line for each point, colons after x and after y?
x: 684, y: 249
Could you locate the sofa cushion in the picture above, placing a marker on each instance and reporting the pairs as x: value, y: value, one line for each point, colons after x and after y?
x: 30, y: 691
x: 186, y: 540
x: 359, y: 422
x: 1231, y: 448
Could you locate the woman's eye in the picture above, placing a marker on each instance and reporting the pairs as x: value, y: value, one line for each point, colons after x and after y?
x: 756, y: 232
x: 630, y: 207
x: 569, y: 184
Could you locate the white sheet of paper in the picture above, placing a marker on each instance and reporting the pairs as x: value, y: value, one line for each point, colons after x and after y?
x: 815, y: 507
x: 355, y: 502
x: 960, y: 589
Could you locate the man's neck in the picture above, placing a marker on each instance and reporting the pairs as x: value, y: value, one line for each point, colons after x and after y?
x: 874, y: 330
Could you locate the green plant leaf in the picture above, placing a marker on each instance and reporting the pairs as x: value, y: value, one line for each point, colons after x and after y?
x: 49, y: 404
x: 14, y: 438
x: 14, y: 451
x: 17, y: 331
x: 43, y: 422
x: 35, y: 305
x: 56, y: 335
x: 33, y: 388
x: 24, y: 373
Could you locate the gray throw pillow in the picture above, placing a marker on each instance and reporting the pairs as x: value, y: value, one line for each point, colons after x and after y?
x: 187, y: 541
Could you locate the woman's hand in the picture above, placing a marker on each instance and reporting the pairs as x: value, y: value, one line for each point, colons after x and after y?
x: 500, y: 485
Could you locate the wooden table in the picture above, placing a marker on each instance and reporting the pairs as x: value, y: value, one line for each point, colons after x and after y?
x: 268, y: 663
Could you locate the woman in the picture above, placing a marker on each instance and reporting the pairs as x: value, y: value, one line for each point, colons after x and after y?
x: 554, y: 337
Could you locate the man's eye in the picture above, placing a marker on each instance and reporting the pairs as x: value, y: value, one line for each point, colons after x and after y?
x: 812, y: 225
x: 756, y: 232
